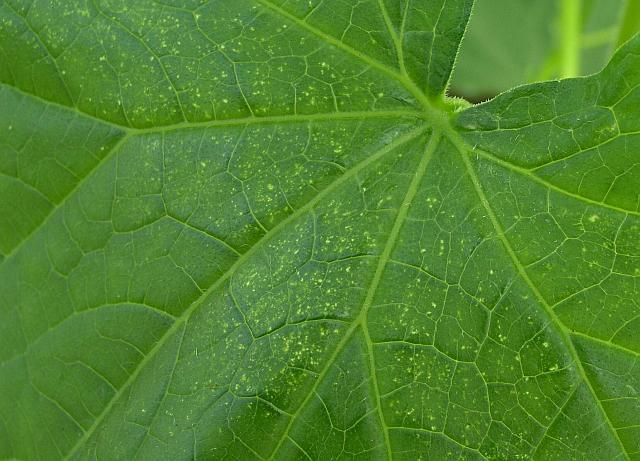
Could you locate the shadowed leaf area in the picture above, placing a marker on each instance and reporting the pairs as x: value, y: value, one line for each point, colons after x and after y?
x: 257, y: 230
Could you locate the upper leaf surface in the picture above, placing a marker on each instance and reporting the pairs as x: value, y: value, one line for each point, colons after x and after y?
x: 294, y: 255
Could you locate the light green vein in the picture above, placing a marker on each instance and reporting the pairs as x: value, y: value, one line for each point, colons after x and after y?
x: 205, y: 234
x: 284, y: 119
x: 606, y: 343
x: 527, y: 173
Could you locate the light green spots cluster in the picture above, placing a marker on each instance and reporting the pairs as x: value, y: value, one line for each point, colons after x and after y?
x: 245, y: 230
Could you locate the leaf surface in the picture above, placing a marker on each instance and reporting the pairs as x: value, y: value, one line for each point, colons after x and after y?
x: 257, y: 230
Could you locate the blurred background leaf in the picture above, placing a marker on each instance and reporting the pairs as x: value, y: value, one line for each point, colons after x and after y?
x: 513, y: 42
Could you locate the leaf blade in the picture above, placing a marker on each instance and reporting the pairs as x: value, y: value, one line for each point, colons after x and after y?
x: 359, y: 275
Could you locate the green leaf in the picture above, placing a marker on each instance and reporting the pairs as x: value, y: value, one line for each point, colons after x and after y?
x: 511, y: 42
x: 258, y: 230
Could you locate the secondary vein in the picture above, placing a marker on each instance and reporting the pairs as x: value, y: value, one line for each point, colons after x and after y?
x: 543, y: 182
